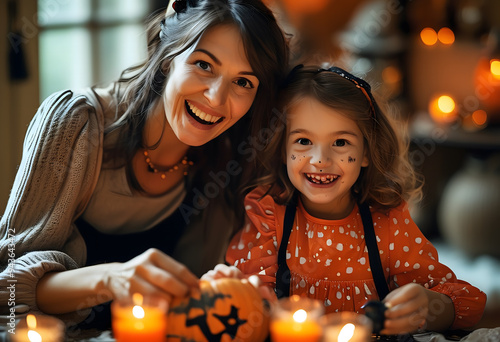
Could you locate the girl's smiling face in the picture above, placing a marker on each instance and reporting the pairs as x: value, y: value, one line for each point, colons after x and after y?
x: 210, y: 87
x: 324, y: 155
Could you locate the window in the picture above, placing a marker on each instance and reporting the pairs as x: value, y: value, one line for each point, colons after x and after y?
x: 87, y: 42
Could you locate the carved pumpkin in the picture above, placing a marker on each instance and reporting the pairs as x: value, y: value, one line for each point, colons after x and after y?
x: 225, y: 309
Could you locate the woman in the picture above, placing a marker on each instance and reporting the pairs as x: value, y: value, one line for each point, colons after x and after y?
x: 151, y: 161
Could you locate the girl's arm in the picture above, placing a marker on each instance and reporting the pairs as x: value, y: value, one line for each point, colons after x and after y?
x: 413, y: 307
x: 414, y: 261
x: 254, y: 249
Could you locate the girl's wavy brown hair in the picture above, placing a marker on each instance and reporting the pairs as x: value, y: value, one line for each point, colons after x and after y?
x: 386, y: 182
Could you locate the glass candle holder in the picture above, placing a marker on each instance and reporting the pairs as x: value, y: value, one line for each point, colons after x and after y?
x: 296, y: 319
x: 39, y: 328
x: 139, y: 319
x: 346, y: 327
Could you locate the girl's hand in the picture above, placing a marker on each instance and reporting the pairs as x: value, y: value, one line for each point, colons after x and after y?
x: 152, y: 273
x: 407, y: 310
x: 224, y: 271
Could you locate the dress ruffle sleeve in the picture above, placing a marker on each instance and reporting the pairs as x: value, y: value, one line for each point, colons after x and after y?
x: 414, y: 259
x: 62, y: 155
x: 254, y: 249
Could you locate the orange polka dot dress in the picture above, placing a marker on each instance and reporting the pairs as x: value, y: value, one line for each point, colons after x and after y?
x: 328, y: 259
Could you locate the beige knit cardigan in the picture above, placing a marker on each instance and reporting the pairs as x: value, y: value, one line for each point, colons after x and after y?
x: 60, y: 165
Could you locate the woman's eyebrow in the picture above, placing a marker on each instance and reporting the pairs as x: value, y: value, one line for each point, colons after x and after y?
x: 218, y: 62
x: 211, y: 55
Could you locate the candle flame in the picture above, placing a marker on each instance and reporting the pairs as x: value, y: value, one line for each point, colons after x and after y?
x: 33, y: 336
x: 31, y: 321
x: 300, y: 316
x: 137, y: 299
x: 346, y: 333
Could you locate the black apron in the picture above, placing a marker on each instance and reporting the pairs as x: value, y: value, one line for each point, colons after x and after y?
x: 283, y: 273
x: 106, y: 248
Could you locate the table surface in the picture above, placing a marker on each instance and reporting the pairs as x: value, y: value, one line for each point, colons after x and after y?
x: 479, y: 335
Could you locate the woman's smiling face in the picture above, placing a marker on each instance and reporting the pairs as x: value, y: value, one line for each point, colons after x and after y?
x: 325, y: 152
x: 210, y: 87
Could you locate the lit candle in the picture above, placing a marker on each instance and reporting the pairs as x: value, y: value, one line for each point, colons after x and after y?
x: 443, y: 109
x: 347, y: 327
x: 39, y: 329
x: 295, y: 319
x: 140, y: 319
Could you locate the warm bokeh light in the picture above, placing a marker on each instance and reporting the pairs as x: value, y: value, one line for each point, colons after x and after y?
x: 428, y: 36
x: 446, y: 36
x: 446, y: 104
x: 304, y: 7
x: 443, y: 109
x: 479, y: 117
x: 495, y: 68
x: 391, y: 75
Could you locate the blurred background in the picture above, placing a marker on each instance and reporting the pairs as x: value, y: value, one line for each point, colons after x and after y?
x: 434, y: 63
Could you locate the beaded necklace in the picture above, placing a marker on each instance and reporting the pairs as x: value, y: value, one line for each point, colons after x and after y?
x: 182, y: 164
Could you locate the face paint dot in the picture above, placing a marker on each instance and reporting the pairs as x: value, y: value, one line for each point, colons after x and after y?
x: 293, y: 157
x: 320, y: 170
x: 320, y: 161
x: 341, y: 160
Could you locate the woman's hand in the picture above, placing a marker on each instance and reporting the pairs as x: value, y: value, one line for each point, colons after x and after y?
x: 152, y: 272
x: 407, y: 311
x: 224, y: 271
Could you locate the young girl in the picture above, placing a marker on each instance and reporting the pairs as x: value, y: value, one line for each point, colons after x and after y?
x: 346, y: 234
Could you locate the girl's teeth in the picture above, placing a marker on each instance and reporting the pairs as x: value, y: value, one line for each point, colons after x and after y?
x: 321, y: 179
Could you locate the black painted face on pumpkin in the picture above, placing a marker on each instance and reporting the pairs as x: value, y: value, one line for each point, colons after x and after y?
x: 203, y: 313
x: 223, y: 310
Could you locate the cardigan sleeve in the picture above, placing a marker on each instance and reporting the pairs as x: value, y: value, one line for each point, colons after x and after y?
x: 61, y: 159
x: 414, y: 259
x: 254, y: 249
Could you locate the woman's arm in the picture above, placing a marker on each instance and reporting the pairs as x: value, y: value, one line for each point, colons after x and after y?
x: 60, y: 165
x: 152, y: 272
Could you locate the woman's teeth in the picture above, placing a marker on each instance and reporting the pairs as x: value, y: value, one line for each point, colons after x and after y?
x: 323, y: 179
x: 202, y: 115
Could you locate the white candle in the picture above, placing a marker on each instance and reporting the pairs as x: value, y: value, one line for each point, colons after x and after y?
x: 347, y: 327
x: 39, y: 329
